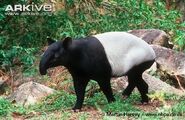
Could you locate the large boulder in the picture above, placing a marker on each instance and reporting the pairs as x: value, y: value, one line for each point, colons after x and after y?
x: 170, y: 61
x: 153, y: 36
x: 30, y: 93
x: 119, y: 84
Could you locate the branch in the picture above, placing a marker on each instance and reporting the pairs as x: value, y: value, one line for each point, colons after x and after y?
x: 12, y: 80
x: 177, y: 78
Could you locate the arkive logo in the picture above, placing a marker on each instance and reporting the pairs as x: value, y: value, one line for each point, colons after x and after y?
x: 29, y: 9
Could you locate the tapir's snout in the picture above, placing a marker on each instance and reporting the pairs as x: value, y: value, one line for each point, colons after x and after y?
x: 44, y: 63
x: 42, y: 71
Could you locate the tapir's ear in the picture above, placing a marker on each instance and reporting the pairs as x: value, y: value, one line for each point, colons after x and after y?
x: 50, y: 41
x: 67, y: 42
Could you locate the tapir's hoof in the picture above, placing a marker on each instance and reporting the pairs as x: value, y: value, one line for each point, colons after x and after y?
x: 76, y: 110
x: 145, y: 103
x: 142, y: 103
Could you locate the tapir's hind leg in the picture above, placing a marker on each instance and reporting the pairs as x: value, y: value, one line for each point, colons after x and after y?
x: 135, y: 80
x: 130, y: 87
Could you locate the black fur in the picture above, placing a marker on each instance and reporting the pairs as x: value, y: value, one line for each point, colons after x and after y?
x: 135, y: 80
x: 85, y: 59
x: 88, y: 61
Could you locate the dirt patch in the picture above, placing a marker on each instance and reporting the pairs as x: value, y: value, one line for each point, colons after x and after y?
x: 59, y: 79
x: 87, y: 112
x: 152, y: 106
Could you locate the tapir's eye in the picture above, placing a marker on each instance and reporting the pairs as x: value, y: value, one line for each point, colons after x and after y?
x: 57, y: 55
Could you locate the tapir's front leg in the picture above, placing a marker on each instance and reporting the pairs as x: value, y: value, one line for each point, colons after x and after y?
x: 79, y: 85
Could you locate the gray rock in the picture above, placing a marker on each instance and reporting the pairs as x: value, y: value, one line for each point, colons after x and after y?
x: 30, y: 93
x: 171, y: 62
x: 119, y: 84
x: 153, y: 36
x: 2, y: 82
x: 158, y: 85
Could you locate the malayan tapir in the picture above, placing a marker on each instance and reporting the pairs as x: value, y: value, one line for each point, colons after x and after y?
x: 100, y: 57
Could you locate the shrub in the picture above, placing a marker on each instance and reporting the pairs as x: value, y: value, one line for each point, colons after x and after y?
x: 5, y: 107
x: 20, y: 36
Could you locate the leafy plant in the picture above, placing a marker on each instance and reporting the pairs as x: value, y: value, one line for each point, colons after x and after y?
x: 158, y: 95
x: 5, y: 106
x: 20, y: 36
x: 120, y: 105
x: 97, y: 100
x: 17, y: 55
x: 60, y: 100
x: 179, y: 107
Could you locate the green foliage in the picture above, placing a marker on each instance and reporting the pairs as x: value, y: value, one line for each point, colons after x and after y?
x: 180, y: 106
x: 173, y: 97
x: 5, y: 107
x: 58, y: 101
x: 62, y: 102
x: 17, y: 53
x: 83, y: 116
x: 19, y: 109
x: 180, y: 36
x: 21, y: 35
x: 97, y: 100
x: 158, y: 95
x: 120, y: 105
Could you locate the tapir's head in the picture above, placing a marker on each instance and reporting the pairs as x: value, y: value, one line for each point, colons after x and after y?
x: 56, y: 54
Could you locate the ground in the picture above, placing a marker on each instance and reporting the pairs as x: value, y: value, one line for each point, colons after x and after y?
x: 58, y: 106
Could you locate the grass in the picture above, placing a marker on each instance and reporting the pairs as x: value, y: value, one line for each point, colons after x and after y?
x: 180, y: 107
x: 122, y: 106
x: 58, y: 106
x: 5, y: 107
